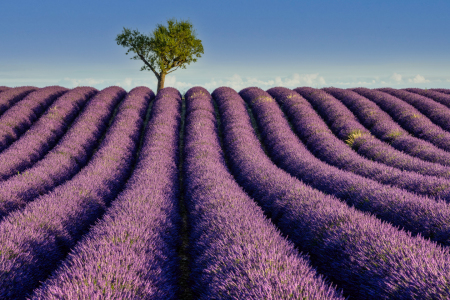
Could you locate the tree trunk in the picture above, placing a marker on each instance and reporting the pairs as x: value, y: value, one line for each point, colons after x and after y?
x: 161, y: 79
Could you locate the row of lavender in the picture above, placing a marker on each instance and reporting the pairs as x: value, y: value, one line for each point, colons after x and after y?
x: 236, y: 253
x: 35, y: 143
x: 36, y: 238
x: 366, y: 257
x: 131, y: 253
x: 40, y: 236
x: 347, y: 127
x: 324, y: 144
x: 65, y: 159
x: 204, y: 278
x: 18, y: 118
x: 417, y: 214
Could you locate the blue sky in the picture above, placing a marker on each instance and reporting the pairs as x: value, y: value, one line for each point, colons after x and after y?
x: 246, y: 43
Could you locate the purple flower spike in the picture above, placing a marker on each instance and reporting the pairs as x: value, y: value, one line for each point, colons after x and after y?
x: 438, y: 113
x: 131, y: 253
x: 11, y: 96
x: 408, y: 117
x: 442, y: 98
x: 444, y: 91
x: 236, y: 252
x: 386, y: 129
x: 321, y: 141
x: 18, y: 118
x: 70, y: 154
x: 348, y: 128
x: 45, y: 133
x: 36, y: 239
x: 4, y: 88
x: 368, y: 258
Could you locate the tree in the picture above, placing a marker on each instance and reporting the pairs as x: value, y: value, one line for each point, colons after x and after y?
x: 168, y: 48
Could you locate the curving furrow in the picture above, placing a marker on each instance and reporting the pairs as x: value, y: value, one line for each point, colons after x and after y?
x: 415, y: 213
x: 366, y: 257
x: 17, y: 119
x: 322, y: 142
x: 11, y: 96
x: 442, y: 98
x: 236, y: 253
x: 408, y: 117
x: 131, y: 252
x: 44, y: 133
x: 35, y: 240
x: 348, y: 128
x: 386, y: 129
x: 438, y: 113
x: 445, y: 91
x: 70, y: 154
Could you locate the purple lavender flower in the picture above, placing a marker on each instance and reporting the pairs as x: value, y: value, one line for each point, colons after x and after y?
x: 444, y: 91
x: 321, y: 141
x: 45, y: 133
x: 11, y: 96
x: 17, y: 119
x: 347, y: 127
x: 436, y: 96
x: 408, y: 117
x: 383, y: 127
x: 368, y: 258
x: 36, y: 239
x: 236, y: 252
x: 438, y: 113
x: 131, y: 253
x: 70, y: 154
x: 4, y: 88
x: 424, y: 215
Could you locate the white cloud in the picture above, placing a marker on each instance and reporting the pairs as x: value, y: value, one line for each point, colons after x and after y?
x: 448, y: 80
x: 418, y: 79
x: 237, y: 83
x: 342, y: 83
x: 172, y: 82
x: 366, y: 83
x: 85, y: 81
x: 297, y: 80
x: 127, y: 81
x: 396, y: 77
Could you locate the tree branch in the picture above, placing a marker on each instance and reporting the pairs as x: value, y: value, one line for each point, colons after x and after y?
x: 149, y: 65
x: 171, y: 71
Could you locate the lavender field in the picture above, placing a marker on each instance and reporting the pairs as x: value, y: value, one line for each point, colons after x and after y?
x: 280, y: 194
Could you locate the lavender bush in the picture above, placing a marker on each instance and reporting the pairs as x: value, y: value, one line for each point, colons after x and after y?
x: 321, y: 141
x: 412, y: 212
x: 70, y: 154
x: 347, y: 127
x: 383, y: 127
x: 368, y: 258
x: 4, y: 88
x: 11, y: 96
x: 45, y: 133
x: 17, y: 119
x: 236, y: 252
x: 135, y: 242
x: 436, y: 96
x: 438, y: 113
x: 35, y: 240
x: 408, y: 117
x: 445, y: 91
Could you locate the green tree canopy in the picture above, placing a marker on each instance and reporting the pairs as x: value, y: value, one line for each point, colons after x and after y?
x: 167, y: 49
